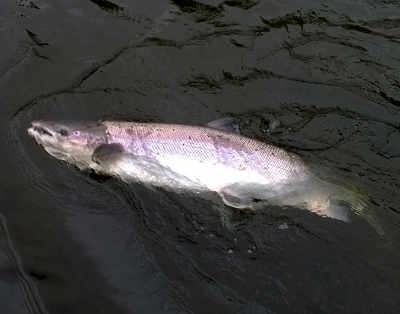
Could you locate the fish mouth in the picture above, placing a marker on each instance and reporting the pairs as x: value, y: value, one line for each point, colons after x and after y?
x: 39, y: 129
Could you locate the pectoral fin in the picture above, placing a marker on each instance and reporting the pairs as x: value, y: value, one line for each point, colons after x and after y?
x: 105, y: 154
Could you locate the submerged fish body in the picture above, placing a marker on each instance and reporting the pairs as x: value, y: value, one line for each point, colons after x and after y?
x: 243, y: 171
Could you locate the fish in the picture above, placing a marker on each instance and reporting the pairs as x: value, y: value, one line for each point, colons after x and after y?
x: 243, y: 171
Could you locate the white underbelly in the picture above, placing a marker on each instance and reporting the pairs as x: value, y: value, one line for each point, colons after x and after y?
x: 180, y: 172
x: 214, y: 176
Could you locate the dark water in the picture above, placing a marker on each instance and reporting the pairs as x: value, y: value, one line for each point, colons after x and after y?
x: 327, y: 71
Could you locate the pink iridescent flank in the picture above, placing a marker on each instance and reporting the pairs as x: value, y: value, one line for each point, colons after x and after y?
x: 210, y: 146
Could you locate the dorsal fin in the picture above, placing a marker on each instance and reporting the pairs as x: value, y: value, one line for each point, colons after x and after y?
x: 227, y: 124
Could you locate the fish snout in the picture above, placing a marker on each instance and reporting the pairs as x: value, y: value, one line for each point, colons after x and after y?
x: 40, y: 129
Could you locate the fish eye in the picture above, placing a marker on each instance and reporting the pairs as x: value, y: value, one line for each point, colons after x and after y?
x: 63, y: 132
x: 76, y: 133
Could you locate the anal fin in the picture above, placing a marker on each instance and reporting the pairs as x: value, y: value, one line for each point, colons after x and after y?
x: 242, y: 196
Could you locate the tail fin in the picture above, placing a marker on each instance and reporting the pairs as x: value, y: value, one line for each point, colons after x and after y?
x: 354, y: 198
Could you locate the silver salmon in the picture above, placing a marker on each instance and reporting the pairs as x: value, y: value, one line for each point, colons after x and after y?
x: 243, y: 171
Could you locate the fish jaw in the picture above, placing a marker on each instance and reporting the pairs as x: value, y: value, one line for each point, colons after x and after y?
x: 42, y: 133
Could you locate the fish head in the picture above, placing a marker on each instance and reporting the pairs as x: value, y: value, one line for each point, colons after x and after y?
x: 73, y: 141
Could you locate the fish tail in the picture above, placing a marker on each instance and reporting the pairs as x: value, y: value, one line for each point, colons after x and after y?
x: 357, y: 200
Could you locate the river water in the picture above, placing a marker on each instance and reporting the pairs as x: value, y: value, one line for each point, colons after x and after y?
x: 318, y: 78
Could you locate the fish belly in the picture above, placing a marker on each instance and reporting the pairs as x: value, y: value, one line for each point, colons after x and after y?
x: 213, y: 175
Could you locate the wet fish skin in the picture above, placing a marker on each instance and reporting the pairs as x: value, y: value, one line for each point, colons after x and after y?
x: 240, y: 169
x: 174, y: 146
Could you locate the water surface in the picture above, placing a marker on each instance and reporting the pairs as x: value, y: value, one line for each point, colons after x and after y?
x: 327, y: 72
